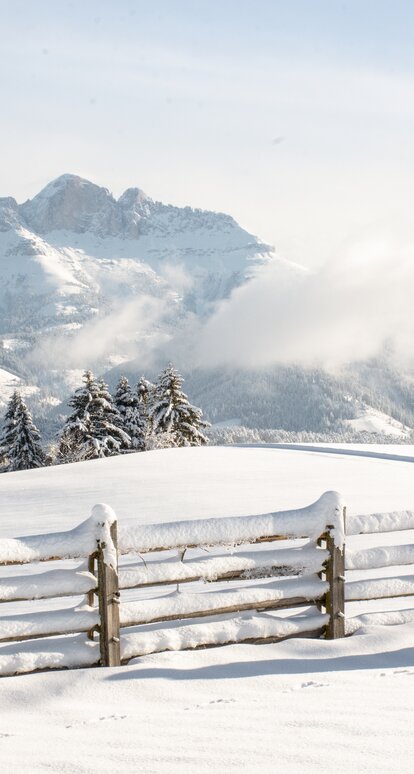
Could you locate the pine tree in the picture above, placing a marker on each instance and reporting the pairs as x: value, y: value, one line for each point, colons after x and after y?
x: 94, y: 429
x: 9, y: 423
x: 109, y: 433
x: 21, y: 438
x: 73, y: 437
x: 171, y: 413
x: 131, y: 411
x: 145, y: 390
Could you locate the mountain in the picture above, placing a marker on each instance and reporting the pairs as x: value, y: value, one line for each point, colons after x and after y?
x: 88, y: 280
x: 68, y: 252
x: 79, y: 268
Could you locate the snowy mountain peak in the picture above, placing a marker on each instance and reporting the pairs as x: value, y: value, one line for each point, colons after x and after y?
x: 133, y: 197
x: 9, y: 217
x: 70, y: 203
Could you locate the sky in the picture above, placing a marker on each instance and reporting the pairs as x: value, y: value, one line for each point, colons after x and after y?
x: 295, y: 117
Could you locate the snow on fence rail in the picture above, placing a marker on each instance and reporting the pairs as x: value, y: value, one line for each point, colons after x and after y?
x: 258, y: 578
x: 56, y: 638
x: 375, y: 558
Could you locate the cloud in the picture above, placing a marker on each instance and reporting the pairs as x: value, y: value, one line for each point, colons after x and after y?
x: 351, y: 309
x: 130, y: 327
x: 176, y: 276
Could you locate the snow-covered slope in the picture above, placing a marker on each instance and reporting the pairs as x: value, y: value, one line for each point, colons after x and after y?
x: 372, y: 421
x: 189, y: 483
x: 8, y: 383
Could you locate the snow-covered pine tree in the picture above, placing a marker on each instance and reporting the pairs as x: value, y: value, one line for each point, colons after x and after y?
x: 131, y: 411
x: 109, y: 434
x: 171, y: 413
x: 9, y: 422
x: 73, y: 437
x: 22, y: 448
x: 145, y: 390
x: 94, y: 428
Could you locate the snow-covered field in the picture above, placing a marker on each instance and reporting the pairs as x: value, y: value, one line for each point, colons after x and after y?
x: 300, y: 705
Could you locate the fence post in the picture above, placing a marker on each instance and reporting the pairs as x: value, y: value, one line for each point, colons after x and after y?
x: 108, y: 595
x: 90, y: 597
x: 335, y: 597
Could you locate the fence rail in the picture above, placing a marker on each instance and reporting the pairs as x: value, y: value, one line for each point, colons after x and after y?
x: 238, y: 587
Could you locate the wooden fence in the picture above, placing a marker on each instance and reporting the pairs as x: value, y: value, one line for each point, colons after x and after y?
x: 243, y: 583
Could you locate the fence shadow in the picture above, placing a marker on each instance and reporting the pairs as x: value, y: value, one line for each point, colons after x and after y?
x: 402, y: 658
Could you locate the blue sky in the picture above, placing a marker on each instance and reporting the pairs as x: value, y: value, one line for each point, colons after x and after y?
x: 295, y: 117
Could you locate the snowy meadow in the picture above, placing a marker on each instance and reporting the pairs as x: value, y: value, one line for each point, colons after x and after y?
x: 289, y: 703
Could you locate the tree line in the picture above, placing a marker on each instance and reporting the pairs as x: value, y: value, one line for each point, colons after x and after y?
x: 149, y: 416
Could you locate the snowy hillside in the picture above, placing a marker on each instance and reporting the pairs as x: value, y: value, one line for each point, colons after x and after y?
x: 205, y: 481
x: 292, y: 703
x: 372, y: 421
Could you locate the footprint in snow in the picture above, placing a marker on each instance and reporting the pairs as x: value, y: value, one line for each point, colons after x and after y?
x: 209, y: 703
x: 308, y: 684
x: 97, y: 720
x: 397, y: 672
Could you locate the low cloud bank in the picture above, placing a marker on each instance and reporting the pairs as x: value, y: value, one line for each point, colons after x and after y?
x: 353, y: 308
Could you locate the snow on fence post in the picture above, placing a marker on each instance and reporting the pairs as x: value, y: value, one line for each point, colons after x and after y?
x: 335, y: 575
x: 108, y: 595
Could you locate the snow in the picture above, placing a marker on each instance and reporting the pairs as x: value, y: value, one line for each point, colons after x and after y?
x: 287, y: 705
x: 78, y: 542
x: 377, y: 588
x: 48, y: 622
x: 379, y: 522
x: 379, y: 556
x: 46, y: 584
x: 8, y: 383
x: 372, y: 421
x: 222, y: 632
x: 310, y: 521
x: 384, y: 618
x: 57, y: 652
x: 305, y: 559
x: 183, y: 605
x: 157, y: 486
x: 293, y: 706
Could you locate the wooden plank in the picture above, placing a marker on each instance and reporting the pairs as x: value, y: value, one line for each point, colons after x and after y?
x: 30, y: 561
x: 248, y: 566
x: 108, y: 595
x: 180, y: 546
x: 382, y: 596
x: 311, y: 634
x: 66, y: 589
x: 23, y: 637
x: 269, y: 604
x: 265, y: 572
